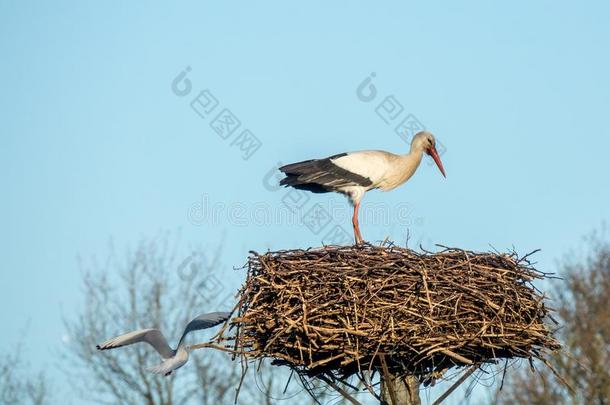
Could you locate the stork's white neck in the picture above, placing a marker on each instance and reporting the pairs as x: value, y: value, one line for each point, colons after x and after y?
x: 411, y: 161
x: 402, y: 169
x: 416, y: 147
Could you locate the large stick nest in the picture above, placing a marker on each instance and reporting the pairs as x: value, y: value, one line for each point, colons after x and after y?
x: 346, y: 310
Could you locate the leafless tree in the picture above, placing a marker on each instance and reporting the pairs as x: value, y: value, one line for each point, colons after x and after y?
x: 583, y: 304
x: 19, y: 385
x: 155, y: 286
x: 144, y: 289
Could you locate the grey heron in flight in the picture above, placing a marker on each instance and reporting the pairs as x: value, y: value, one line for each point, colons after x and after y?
x: 172, y: 358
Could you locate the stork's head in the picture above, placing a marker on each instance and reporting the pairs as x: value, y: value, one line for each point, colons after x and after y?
x: 424, y: 141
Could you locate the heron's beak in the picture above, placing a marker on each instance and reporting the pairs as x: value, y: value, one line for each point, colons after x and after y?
x: 432, y: 152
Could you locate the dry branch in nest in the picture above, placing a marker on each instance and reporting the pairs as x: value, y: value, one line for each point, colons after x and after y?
x: 340, y: 311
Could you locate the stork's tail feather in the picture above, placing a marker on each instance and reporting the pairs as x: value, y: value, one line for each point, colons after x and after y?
x: 310, y: 166
x: 304, y: 167
x: 292, y: 180
x: 307, y: 175
x: 289, y: 180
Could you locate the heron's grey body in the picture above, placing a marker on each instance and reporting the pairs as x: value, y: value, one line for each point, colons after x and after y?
x: 173, y: 359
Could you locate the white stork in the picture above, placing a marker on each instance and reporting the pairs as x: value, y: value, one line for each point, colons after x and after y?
x: 355, y: 173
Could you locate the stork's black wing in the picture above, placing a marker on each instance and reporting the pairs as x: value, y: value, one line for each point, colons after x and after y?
x: 321, y: 175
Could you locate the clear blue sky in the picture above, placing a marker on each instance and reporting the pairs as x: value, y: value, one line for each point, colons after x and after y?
x: 96, y: 145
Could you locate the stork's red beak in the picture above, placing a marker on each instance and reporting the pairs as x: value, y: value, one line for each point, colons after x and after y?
x: 432, y: 152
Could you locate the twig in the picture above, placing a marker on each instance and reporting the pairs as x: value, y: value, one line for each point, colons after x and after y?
x: 389, y: 382
x: 455, y: 385
x: 340, y: 390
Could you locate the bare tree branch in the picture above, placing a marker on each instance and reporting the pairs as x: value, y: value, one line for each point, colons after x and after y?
x: 154, y: 286
x: 583, y: 302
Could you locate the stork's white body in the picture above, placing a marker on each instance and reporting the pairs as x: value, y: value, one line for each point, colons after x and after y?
x: 385, y: 170
x: 355, y: 173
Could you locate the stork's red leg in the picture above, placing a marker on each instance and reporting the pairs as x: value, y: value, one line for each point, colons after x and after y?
x: 357, y: 234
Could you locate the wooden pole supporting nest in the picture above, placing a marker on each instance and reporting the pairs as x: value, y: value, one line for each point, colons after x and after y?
x: 396, y: 390
x: 336, y: 312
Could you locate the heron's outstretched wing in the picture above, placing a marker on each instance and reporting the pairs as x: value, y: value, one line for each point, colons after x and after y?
x: 153, y: 337
x: 205, y: 321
